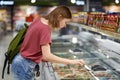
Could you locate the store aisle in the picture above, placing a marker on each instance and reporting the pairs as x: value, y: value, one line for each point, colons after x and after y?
x: 4, y: 42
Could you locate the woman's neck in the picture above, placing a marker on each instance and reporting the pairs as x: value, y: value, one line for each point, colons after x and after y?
x: 44, y: 21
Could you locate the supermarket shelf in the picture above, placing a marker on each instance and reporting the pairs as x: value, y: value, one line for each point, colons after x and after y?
x: 102, y: 32
x: 106, y: 55
x: 91, y: 61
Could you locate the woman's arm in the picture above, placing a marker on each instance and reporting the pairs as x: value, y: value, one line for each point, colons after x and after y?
x: 48, y: 56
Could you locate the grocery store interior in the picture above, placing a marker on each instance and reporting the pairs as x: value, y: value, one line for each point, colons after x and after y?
x: 93, y: 34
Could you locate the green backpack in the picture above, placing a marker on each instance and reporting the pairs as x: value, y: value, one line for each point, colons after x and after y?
x: 13, y: 49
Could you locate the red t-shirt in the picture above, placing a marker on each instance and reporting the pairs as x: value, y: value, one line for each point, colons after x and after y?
x: 37, y: 35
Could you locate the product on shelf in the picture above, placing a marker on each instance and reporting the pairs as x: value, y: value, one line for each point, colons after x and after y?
x: 70, y: 72
x: 102, y: 21
x: 94, y: 18
x: 118, y: 28
x: 101, y: 71
x: 75, y: 17
x: 110, y: 22
x: 98, y: 68
x: 91, y: 18
x: 83, y: 17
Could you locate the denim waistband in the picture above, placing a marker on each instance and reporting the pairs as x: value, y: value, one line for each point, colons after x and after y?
x: 25, y: 59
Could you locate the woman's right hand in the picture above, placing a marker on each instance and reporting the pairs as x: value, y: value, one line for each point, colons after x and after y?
x: 78, y: 62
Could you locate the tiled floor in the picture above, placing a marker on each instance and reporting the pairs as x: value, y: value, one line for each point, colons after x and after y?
x: 4, y: 41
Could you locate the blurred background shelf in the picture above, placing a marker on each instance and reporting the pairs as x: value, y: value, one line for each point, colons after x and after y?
x: 95, y: 30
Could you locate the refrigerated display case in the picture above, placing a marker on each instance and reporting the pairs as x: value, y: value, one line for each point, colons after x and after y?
x: 102, y: 63
x: 98, y: 65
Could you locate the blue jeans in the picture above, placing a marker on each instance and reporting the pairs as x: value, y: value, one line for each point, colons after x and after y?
x: 22, y: 69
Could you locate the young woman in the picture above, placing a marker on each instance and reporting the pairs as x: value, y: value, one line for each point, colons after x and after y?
x: 36, y: 45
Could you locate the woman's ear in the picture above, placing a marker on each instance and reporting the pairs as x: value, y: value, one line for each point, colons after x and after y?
x: 60, y: 17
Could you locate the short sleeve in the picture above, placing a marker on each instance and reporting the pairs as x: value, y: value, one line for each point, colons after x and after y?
x: 45, y: 36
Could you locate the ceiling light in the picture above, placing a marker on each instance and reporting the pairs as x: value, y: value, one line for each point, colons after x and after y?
x: 80, y: 2
x: 116, y: 1
x: 33, y: 1
x: 73, y: 1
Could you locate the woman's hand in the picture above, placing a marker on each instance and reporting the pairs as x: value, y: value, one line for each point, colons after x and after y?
x: 48, y: 56
x: 78, y: 62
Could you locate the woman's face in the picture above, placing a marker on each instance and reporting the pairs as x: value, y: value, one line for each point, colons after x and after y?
x: 63, y: 22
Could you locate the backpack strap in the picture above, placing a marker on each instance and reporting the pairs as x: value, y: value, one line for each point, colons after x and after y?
x: 7, y: 57
x: 8, y: 67
x: 5, y: 63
